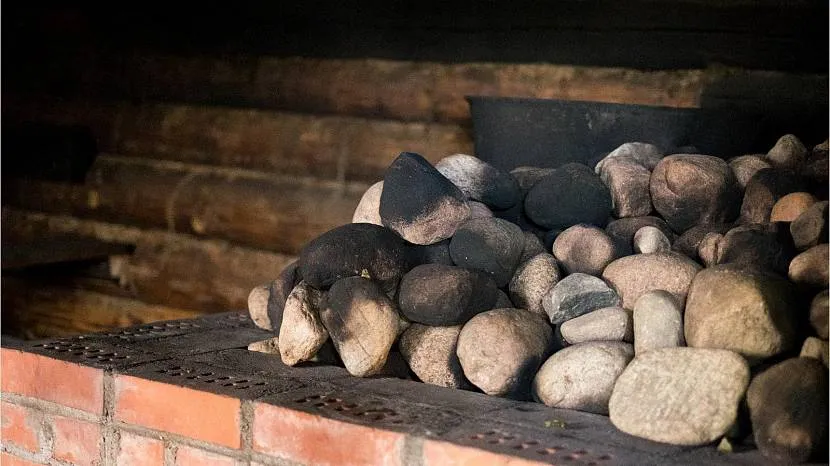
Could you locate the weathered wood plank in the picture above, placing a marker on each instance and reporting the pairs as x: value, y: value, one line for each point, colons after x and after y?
x: 166, y: 268
x: 31, y: 310
x: 264, y: 211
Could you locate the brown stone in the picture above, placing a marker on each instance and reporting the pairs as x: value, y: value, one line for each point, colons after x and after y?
x: 746, y: 166
x: 810, y: 228
x: 628, y: 182
x: 819, y: 314
x: 763, y: 190
x: 811, y: 266
x: 791, y: 206
x: 633, y: 276
x: 788, y: 152
x: 584, y: 249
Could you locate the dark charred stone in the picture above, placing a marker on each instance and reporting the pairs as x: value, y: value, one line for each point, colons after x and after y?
x: 764, y: 190
x: 756, y: 247
x: 362, y: 323
x: 435, y: 294
x: 480, y: 181
x: 810, y: 228
x: 622, y: 231
x: 354, y: 249
x: 491, y: 245
x: 788, y: 407
x: 436, y: 253
x: 570, y: 195
x: 688, y: 189
x: 526, y: 177
x: 419, y: 203
x: 266, y: 302
x: 688, y: 242
x: 533, y: 246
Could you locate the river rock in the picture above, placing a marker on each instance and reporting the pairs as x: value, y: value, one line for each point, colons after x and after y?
x: 266, y: 302
x: 788, y: 152
x: 763, y: 190
x: 606, y: 324
x: 368, y: 209
x: 582, y: 376
x: 788, y: 407
x: 709, y: 249
x: 819, y: 314
x: 628, y: 183
x: 815, y: 348
x: 570, y: 195
x: 491, y: 245
x: 258, y: 306
x: 479, y: 180
x: 749, y: 312
x: 789, y: 207
x: 584, y: 249
x: 622, y: 231
x: 680, y: 396
x: 658, y: 322
x: 756, y: 247
x: 810, y: 228
x: 651, y: 239
x: 479, y: 210
x: 532, y: 281
x: 500, y: 350
x: 354, y: 249
x: 502, y: 300
x: 302, y: 333
x: 577, y: 294
x: 746, y: 166
x: 688, y: 189
x: 811, y: 266
x: 633, y: 276
x: 431, y: 354
x: 526, y: 177
x: 443, y: 295
x: 689, y: 242
x: 533, y: 246
x: 436, y: 253
x: 362, y: 322
x: 419, y: 203
x: 643, y: 153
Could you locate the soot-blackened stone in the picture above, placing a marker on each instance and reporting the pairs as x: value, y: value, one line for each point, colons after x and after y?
x: 756, y: 247
x: 479, y: 180
x: 526, y: 177
x: 362, y: 322
x: 687, y: 189
x: 436, y: 253
x: 419, y: 203
x: 354, y: 249
x: 572, y: 194
x: 763, y: 190
x: 491, y: 245
x: 279, y: 290
x: 436, y: 294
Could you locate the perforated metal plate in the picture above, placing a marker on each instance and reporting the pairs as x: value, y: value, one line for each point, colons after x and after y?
x: 147, y: 332
x: 235, y: 319
x: 365, y: 409
x: 271, y: 366
x: 212, y: 379
x: 91, y: 353
x: 207, y: 341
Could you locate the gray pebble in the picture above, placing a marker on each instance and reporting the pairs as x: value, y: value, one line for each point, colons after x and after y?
x: 577, y: 294
x: 606, y: 324
x: 658, y: 322
x: 650, y: 239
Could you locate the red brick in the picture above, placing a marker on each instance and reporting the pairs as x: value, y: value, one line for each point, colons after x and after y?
x: 77, y: 442
x: 446, y: 454
x: 135, y: 450
x: 52, y: 380
x: 310, y: 439
x: 9, y: 460
x: 170, y: 408
x: 19, y: 429
x: 187, y: 456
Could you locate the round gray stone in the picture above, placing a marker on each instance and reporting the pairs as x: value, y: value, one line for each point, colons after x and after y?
x: 680, y: 396
x: 431, y: 354
x: 582, y: 376
x: 650, y: 239
x: 636, y: 275
x: 788, y: 152
x: 501, y: 350
x: 606, y: 324
x: 532, y: 281
x: 577, y: 294
x: 658, y: 322
x: 645, y: 154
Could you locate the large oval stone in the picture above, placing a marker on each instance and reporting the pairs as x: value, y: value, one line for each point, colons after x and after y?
x: 687, y: 189
x: 436, y: 294
x: 570, y: 195
x: 362, y: 322
x: 582, y: 376
x: 354, y: 249
x: 633, y: 276
x: 749, y: 312
x: 419, y: 203
x: 500, y: 350
x: 681, y: 396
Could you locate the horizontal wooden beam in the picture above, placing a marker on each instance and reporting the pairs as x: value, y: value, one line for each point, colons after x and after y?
x: 166, y: 268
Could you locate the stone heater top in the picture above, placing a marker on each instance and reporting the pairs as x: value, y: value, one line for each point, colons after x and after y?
x: 189, y: 392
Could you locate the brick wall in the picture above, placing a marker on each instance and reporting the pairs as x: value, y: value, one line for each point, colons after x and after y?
x: 187, y: 392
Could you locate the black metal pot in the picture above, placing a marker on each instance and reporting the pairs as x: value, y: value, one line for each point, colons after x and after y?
x: 510, y: 132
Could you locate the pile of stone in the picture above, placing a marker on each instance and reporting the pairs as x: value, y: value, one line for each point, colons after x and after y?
x: 682, y: 295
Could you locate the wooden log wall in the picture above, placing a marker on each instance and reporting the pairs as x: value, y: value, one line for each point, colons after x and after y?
x: 220, y: 168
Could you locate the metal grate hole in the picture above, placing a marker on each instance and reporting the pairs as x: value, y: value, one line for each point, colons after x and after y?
x: 559, y: 453
x: 205, y: 377
x: 352, y: 409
